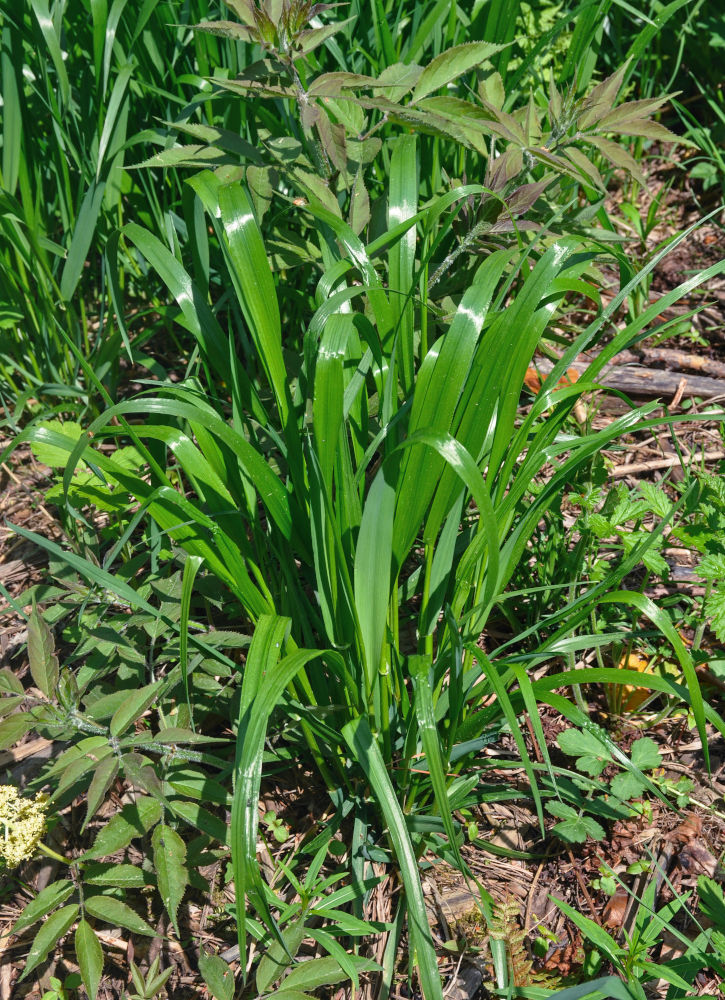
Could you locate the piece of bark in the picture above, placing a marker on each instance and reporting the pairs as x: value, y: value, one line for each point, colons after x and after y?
x: 685, y: 361
x: 637, y: 468
x: 466, y: 984
x: 647, y: 383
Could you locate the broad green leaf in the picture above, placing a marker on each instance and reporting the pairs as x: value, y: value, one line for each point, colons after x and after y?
x: 373, y: 556
x: 451, y: 64
x: 574, y: 828
x: 313, y: 37
x: 14, y: 728
x: 591, y: 754
x: 133, y: 707
x: 89, y: 955
x: 277, y: 958
x: 10, y: 703
x: 41, y: 654
x: 57, y: 924
x: 617, y: 156
x: 359, y: 205
x: 200, y: 818
x: 311, y: 975
x: 170, y: 866
x: 46, y: 900
x: 627, y: 786
x: 115, y: 585
x: 217, y: 975
x: 9, y: 683
x: 78, y: 768
x: 113, y: 911
x: 601, y: 99
x: 103, y: 777
x: 397, y: 80
x: 110, y: 873
x: 644, y: 754
x: 134, y: 820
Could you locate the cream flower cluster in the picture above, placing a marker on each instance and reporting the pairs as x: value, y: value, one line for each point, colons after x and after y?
x: 22, y: 824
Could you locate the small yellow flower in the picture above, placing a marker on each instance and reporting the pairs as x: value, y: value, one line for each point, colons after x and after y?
x: 22, y: 824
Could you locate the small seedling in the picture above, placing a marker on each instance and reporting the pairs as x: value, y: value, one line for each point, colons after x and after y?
x: 277, y: 827
x: 64, y: 990
x: 152, y: 985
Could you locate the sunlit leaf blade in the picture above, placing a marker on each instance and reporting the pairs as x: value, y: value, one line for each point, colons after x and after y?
x: 46, y: 901
x: 112, y: 911
x: 41, y: 654
x: 372, y: 568
x: 57, y: 924
x: 89, y: 955
x: 258, y: 296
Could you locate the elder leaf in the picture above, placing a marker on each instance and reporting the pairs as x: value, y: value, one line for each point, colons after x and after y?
x: 170, y: 864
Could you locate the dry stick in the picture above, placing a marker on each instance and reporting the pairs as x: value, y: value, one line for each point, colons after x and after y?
x: 583, y: 887
x: 649, y: 383
x: 534, y: 741
x: 677, y: 360
x: 530, y: 899
x: 660, y: 463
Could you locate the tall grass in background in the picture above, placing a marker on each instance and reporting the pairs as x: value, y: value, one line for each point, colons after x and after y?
x: 85, y: 86
x: 391, y: 231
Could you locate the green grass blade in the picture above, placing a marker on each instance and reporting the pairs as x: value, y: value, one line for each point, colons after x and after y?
x: 52, y: 41
x: 438, y: 387
x: 258, y: 296
x: 402, y: 205
x: 12, y: 117
x: 420, y: 672
x: 327, y: 404
x: 82, y: 238
x: 372, y: 569
x: 118, y: 94
x: 502, y: 695
x: 271, y: 677
x: 191, y: 568
x: 366, y: 753
x: 199, y: 317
